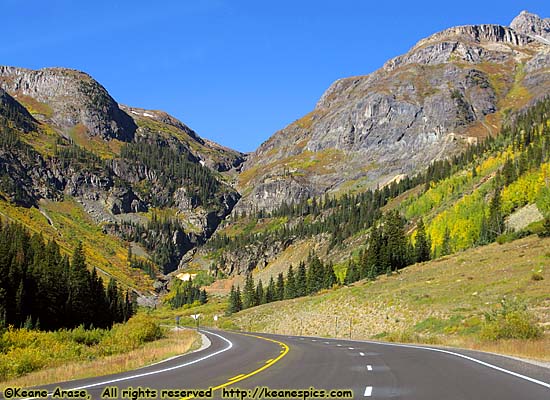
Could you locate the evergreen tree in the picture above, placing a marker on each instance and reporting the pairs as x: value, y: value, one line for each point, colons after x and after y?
x: 397, y: 246
x: 260, y: 294
x: 79, y: 290
x: 290, y: 286
x: 270, y: 292
x: 249, y: 292
x: 203, y: 298
x: 301, y: 280
x: 446, y: 244
x: 352, y: 274
x: 315, y: 274
x: 238, y: 299
x: 496, y: 218
x: 280, y: 287
x: 329, y: 278
x: 234, y: 302
x: 422, y: 246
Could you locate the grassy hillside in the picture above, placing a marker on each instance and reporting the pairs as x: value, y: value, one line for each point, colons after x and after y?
x: 67, y: 223
x: 441, y: 301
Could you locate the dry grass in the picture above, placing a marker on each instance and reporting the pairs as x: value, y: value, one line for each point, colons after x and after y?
x: 34, y: 106
x: 529, y: 349
x: 72, y: 224
x: 175, y: 343
x: 442, y: 301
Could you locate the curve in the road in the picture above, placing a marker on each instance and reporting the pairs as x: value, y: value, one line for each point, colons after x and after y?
x: 269, y: 363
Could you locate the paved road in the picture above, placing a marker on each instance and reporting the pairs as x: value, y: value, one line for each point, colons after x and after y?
x: 371, y: 370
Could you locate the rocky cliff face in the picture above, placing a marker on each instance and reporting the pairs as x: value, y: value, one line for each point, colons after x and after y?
x: 74, y: 97
x: 63, y: 136
x: 449, y: 90
x: 532, y: 25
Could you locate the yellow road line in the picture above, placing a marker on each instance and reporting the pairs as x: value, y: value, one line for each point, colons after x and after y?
x: 268, y: 364
x: 235, y: 377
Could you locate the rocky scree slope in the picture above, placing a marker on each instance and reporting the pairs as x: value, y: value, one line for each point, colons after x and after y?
x: 64, y: 136
x: 450, y: 89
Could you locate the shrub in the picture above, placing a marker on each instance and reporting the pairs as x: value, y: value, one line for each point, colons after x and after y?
x: 545, y: 228
x: 88, y: 337
x: 536, y: 275
x: 511, y: 320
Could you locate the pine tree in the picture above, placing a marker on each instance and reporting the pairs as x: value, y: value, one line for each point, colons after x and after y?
x: 446, y: 244
x: 249, y: 292
x: 329, y: 276
x: 79, y: 289
x: 352, y: 275
x: 315, y: 274
x: 260, y: 294
x: 238, y: 299
x: 394, y: 230
x: 233, y: 306
x: 203, y: 298
x: 496, y: 218
x: 290, y: 287
x: 422, y: 246
x: 270, y: 291
x: 280, y: 287
x: 301, y: 280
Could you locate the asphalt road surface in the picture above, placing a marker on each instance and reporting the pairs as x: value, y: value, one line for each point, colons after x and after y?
x: 240, y: 365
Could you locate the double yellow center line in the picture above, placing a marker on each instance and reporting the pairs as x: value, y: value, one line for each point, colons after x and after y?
x: 284, y: 350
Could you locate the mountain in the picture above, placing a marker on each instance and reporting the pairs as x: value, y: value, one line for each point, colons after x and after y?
x: 75, y: 163
x: 450, y: 90
x: 424, y: 135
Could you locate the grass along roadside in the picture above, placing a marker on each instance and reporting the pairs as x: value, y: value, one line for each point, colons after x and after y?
x: 84, y: 365
x: 443, y: 302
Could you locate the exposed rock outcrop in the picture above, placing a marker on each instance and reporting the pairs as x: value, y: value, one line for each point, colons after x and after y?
x: 427, y: 104
x: 75, y: 98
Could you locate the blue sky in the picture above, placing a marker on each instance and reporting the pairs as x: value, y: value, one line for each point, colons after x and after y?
x: 234, y: 71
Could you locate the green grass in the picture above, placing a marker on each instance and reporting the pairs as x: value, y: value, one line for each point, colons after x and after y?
x: 31, y: 358
x: 72, y: 224
x: 444, y: 300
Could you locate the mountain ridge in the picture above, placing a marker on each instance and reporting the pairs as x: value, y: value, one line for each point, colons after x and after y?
x: 448, y: 91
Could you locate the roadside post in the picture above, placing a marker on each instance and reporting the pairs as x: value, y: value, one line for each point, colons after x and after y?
x: 196, y: 317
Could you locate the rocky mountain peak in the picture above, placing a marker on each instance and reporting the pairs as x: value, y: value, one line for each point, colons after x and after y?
x: 429, y: 103
x: 532, y: 25
x: 74, y: 98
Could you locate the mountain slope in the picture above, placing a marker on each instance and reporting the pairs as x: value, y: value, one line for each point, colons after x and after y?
x: 141, y: 177
x: 449, y: 90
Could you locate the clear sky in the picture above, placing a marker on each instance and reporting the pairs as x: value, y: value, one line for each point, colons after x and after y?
x: 234, y: 71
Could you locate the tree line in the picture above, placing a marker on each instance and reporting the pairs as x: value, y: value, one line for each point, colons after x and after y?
x: 310, y: 277
x: 388, y: 248
x: 174, y: 168
x: 187, y: 293
x: 42, y: 288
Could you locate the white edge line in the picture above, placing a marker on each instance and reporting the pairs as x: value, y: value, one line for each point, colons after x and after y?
x: 160, y: 371
x: 369, y: 367
x: 368, y: 391
x: 362, y: 354
x: 527, y: 378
